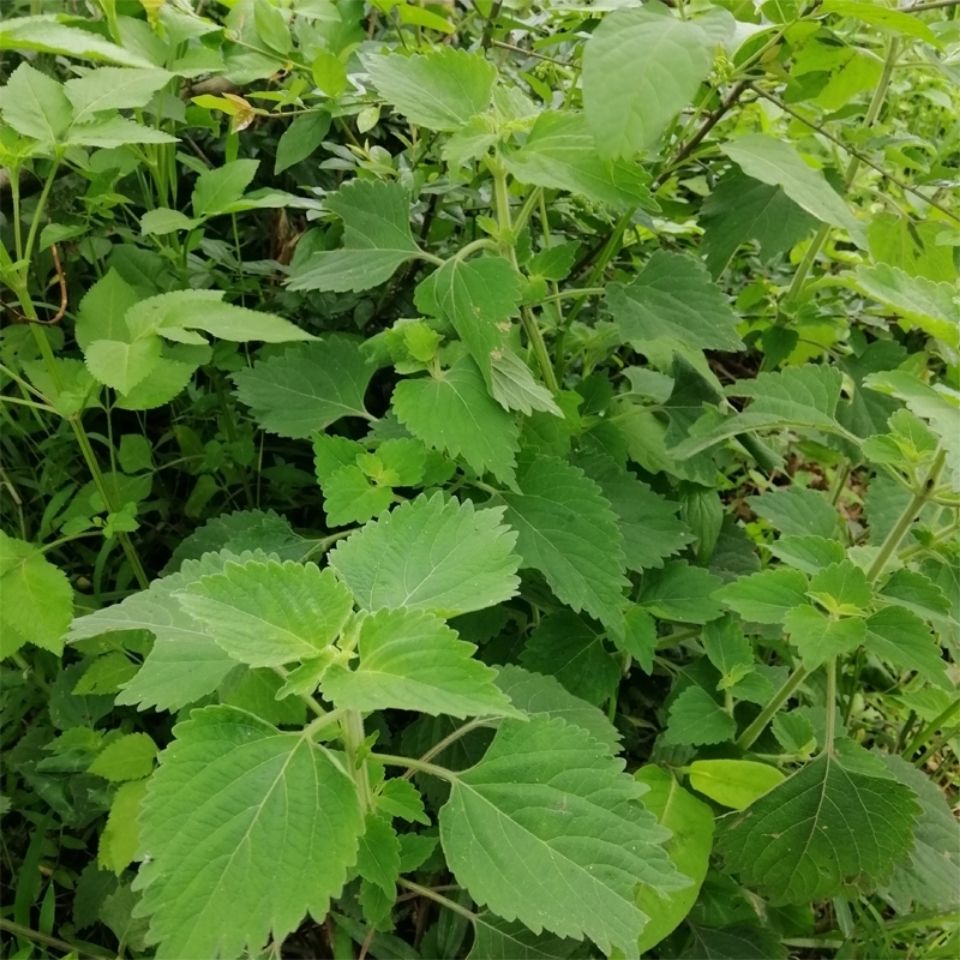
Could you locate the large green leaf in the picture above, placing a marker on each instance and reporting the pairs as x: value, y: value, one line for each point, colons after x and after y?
x: 568, y: 531
x: 560, y: 153
x: 826, y: 827
x: 35, y: 104
x: 898, y: 636
x: 266, y: 613
x: 741, y: 208
x: 37, y: 603
x: 434, y: 554
x: 113, y: 88
x: 451, y: 410
x: 50, y: 34
x: 775, y: 162
x: 306, y: 388
x: 246, y: 830
x: 681, y: 592
x: 641, y: 67
x: 767, y: 596
x: 546, y: 829
x: 696, y: 718
x: 411, y: 660
x: 440, y: 90
x: 690, y: 822
x: 376, y: 239
x: 673, y: 298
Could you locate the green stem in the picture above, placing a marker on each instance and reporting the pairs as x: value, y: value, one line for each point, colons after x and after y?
x: 753, y: 731
x: 438, y: 898
x: 936, y: 743
x: 870, y: 118
x: 831, y: 703
x: 420, y: 766
x: 906, y: 519
x: 453, y: 737
x: 931, y: 728
x: 353, y: 737
x: 27, y: 933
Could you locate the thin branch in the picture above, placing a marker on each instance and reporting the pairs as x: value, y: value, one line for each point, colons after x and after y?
x: 903, y: 185
x: 932, y: 5
x: 529, y: 53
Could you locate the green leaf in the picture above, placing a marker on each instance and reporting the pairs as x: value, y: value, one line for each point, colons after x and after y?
x: 893, y: 21
x: 562, y: 836
x: 544, y: 696
x: 696, y: 718
x: 109, y: 132
x: 728, y: 650
x: 102, y: 309
x: 184, y: 663
x: 113, y: 88
x: 217, y: 188
x: 690, y: 822
x: 300, y: 139
x: 803, y: 397
x: 34, y: 104
x: 123, y: 365
x: 433, y: 554
x: 922, y: 303
x: 797, y: 511
x: 441, y: 90
x: 48, y: 34
x: 775, y: 162
x: 918, y: 593
x: 820, y: 637
x: 681, y: 592
x: 927, y: 877
x: 496, y: 939
x: 306, y: 388
x: 120, y: 840
x: 565, y: 647
x: 129, y: 758
x: 767, y: 596
x: 411, y: 660
x: 400, y: 798
x: 842, y: 588
x: 898, y: 636
x: 741, y: 208
x: 822, y: 829
x: 268, y: 861
x: 376, y: 239
x: 630, y: 99
x: 560, y: 153
x: 452, y: 411
x: 733, y: 783
x: 161, y: 221
x: 378, y: 857
x: 37, y: 599
x: 673, y: 298
x: 569, y: 532
x: 266, y: 613
x: 806, y: 552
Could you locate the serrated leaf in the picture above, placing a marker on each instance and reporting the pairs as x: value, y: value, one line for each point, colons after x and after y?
x: 822, y: 829
x: 217, y: 892
x: 926, y: 878
x: 47, y: 34
x: 540, y: 695
x: 120, y: 841
x: 110, y: 132
x: 376, y: 239
x: 728, y: 650
x: 266, y: 613
x: 777, y: 163
x: 307, y: 387
x: 690, y: 822
x: 695, y: 718
x: 128, y: 758
x: 767, y: 596
x: 918, y: 593
x: 433, y: 554
x: 411, y: 660
x: 673, y: 298
x: 350, y: 497
x: 34, y: 104
x: 400, y: 798
x: 741, y: 208
x: 806, y: 552
x: 378, y: 857
x: 441, y: 90
x: 733, y: 783
x: 565, y: 647
x: 630, y: 99
x: 797, y: 511
x: 113, y: 88
x: 842, y: 588
x: 123, y: 365
x: 681, y: 592
x: 560, y: 153
x: 898, y: 636
x: 215, y: 189
x: 564, y: 841
x: 568, y: 531
x: 37, y: 602
x: 184, y: 663
x: 452, y: 411
x: 820, y: 637
x: 497, y: 939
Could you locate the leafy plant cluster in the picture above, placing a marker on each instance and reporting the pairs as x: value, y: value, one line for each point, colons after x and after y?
x: 480, y: 480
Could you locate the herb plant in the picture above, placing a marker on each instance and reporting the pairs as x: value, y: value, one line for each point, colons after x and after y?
x: 480, y: 480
